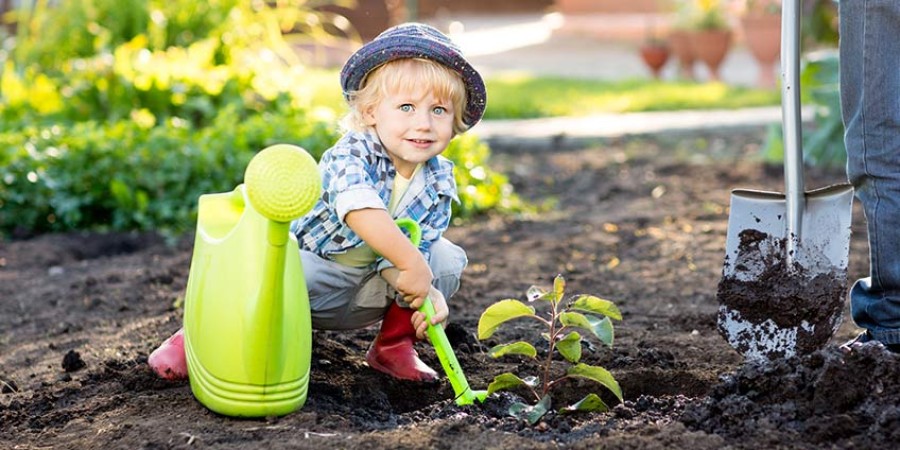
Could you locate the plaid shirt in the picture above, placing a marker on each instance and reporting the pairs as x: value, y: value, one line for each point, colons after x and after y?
x: 357, y: 174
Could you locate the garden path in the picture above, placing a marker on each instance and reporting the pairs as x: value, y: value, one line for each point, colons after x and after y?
x: 538, y: 44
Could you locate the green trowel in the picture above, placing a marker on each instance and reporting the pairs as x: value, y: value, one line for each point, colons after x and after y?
x: 247, y: 327
x: 465, y: 395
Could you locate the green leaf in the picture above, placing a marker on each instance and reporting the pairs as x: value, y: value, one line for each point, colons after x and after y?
x: 559, y: 288
x: 589, y: 403
x: 570, y: 347
x: 505, y: 381
x: 574, y: 319
x: 598, y: 374
x: 603, y: 329
x: 516, y: 348
x: 500, y: 312
x: 530, y: 414
x: 596, y: 305
x: 600, y: 328
x: 120, y: 192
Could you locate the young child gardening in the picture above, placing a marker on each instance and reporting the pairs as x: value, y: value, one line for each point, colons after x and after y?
x: 410, y: 91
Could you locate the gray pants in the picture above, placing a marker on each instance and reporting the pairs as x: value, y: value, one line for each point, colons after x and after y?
x: 344, y: 298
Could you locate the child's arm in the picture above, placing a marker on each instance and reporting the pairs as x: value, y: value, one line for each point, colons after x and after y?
x: 413, y: 276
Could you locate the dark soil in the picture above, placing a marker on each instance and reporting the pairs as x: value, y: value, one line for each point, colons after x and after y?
x: 640, y: 222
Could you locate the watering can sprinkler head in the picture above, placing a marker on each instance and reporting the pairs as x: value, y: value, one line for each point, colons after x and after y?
x: 282, y: 182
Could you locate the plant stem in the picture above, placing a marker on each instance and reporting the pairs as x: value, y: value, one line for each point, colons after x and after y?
x: 534, y: 392
x: 542, y: 320
x: 558, y: 380
x: 545, y: 381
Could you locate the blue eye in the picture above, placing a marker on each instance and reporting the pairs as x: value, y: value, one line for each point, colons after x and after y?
x: 439, y: 110
x: 406, y: 107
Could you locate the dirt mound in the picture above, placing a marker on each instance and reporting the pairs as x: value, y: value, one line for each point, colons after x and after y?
x: 823, y: 399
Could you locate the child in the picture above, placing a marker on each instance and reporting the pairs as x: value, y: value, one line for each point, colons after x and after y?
x: 410, y: 91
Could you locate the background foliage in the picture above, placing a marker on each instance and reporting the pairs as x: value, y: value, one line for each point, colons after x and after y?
x: 117, y: 114
x: 823, y: 144
x: 120, y: 113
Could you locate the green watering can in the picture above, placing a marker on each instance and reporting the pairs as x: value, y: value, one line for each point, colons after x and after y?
x: 247, y: 327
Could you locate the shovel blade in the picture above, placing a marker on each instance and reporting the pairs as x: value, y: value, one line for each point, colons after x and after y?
x: 772, y: 306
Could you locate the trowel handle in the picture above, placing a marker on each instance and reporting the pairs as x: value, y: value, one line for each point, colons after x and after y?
x: 791, y: 121
x: 436, y: 333
x: 445, y: 354
x: 412, y: 228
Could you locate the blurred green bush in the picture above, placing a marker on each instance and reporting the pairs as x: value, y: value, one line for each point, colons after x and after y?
x: 124, y: 111
x: 823, y: 145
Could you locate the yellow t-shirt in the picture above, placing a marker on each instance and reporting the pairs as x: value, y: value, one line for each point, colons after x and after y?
x: 363, y: 255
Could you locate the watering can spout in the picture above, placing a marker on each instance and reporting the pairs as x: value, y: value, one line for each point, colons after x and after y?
x: 265, y: 349
x: 248, y: 333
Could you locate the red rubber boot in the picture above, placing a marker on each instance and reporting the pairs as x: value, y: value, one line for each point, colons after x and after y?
x: 392, y: 351
x: 168, y: 361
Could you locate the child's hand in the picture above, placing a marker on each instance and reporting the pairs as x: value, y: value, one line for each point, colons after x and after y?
x: 441, y: 312
x: 414, y: 284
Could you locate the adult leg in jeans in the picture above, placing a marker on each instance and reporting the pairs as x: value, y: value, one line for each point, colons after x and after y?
x: 870, y: 101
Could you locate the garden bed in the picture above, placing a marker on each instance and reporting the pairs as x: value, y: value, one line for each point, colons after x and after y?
x: 639, y: 222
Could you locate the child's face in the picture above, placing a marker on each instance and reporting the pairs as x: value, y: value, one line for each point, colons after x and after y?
x: 412, y: 126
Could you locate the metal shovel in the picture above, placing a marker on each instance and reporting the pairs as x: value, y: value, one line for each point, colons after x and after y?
x: 785, y: 274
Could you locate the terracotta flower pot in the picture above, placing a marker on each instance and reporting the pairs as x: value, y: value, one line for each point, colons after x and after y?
x: 763, y: 36
x: 655, y: 56
x: 711, y: 46
x: 680, y: 44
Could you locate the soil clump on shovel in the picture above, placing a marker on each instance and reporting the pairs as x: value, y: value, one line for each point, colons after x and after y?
x: 780, y: 298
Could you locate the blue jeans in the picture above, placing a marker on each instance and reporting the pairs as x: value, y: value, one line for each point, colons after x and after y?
x: 870, y: 103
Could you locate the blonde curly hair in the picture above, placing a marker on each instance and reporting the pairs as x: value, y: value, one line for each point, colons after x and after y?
x: 406, y: 74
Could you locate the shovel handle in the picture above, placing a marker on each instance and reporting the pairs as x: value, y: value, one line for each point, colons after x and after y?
x: 791, y: 120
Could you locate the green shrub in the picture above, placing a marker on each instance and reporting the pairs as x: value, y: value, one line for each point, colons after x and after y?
x: 823, y: 146
x: 51, y: 35
x: 480, y: 188
x: 180, y: 58
x: 123, y: 175
x: 185, y: 83
x: 123, y: 124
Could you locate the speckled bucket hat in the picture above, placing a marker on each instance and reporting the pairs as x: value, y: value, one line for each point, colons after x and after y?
x: 416, y: 40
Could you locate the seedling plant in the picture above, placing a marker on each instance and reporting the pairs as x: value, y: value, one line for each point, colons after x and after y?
x: 585, y: 313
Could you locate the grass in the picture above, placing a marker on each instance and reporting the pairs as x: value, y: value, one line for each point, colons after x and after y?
x: 519, y: 97
x: 525, y: 96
